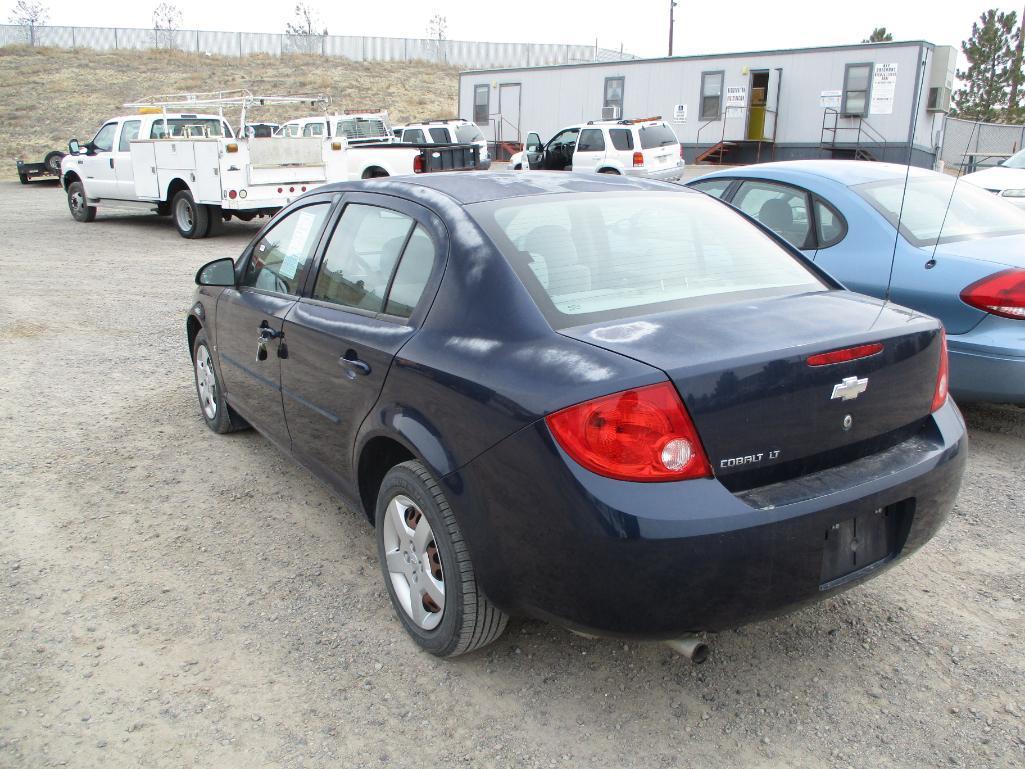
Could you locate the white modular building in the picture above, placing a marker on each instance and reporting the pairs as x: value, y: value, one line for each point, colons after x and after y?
x: 882, y: 101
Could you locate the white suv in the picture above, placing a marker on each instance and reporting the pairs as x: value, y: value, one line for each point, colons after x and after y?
x: 448, y: 131
x: 646, y: 148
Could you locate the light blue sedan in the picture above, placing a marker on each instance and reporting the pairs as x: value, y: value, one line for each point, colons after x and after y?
x: 963, y: 263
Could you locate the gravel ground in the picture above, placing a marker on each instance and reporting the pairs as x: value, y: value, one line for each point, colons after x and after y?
x: 170, y: 598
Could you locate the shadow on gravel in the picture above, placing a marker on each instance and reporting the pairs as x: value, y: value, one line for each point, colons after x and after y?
x: 995, y: 418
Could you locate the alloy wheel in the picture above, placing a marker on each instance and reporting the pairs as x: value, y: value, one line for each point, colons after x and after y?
x: 206, y: 382
x: 414, y: 562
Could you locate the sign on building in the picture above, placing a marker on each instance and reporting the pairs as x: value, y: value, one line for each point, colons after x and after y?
x: 680, y: 113
x: 830, y: 99
x: 884, y: 87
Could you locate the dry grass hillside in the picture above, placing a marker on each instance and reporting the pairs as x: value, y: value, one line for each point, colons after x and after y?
x: 50, y: 95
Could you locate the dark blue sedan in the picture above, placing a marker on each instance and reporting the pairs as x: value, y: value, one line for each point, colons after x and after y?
x: 614, y: 404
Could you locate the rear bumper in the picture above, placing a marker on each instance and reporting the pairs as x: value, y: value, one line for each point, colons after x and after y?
x: 657, y: 560
x: 988, y: 363
x: 670, y: 174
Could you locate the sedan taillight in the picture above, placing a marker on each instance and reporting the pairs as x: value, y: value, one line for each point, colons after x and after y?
x: 943, y: 375
x: 643, y: 434
x: 1001, y: 294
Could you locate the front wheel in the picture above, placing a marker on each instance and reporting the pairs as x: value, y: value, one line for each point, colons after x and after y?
x: 216, y: 412
x: 427, y: 567
x: 78, y: 204
x: 191, y: 219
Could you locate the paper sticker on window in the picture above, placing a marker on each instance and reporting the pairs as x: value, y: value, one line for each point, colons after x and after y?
x: 289, y: 266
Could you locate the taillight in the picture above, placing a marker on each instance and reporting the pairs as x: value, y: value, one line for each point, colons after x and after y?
x: 232, y: 194
x: 681, y: 152
x: 418, y: 164
x: 1001, y: 294
x: 638, y: 159
x: 943, y: 375
x: 844, y: 355
x: 635, y: 435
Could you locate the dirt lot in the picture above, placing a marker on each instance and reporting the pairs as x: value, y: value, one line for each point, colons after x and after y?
x: 172, y: 598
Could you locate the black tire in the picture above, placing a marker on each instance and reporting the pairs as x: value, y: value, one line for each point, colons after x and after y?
x: 469, y: 620
x: 216, y: 216
x: 78, y: 204
x: 163, y: 208
x: 52, y: 161
x: 517, y: 167
x: 374, y: 173
x: 23, y: 178
x: 191, y: 219
x: 609, y: 171
x: 223, y: 419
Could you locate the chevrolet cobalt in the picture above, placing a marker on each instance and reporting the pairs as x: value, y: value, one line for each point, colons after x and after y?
x: 614, y: 404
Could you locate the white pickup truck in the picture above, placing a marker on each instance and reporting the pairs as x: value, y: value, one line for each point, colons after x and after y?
x: 356, y: 127
x: 192, y: 167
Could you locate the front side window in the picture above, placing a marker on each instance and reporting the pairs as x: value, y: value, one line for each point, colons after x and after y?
x: 857, y: 82
x: 614, y: 94
x: 277, y: 261
x: 104, y: 139
x: 588, y: 258
x: 935, y: 210
x: 360, y: 259
x: 564, y: 140
x: 782, y: 209
x: 591, y: 140
x: 711, y: 95
x: 622, y: 139
x: 129, y: 133
x: 413, y: 136
x: 439, y: 135
x: 481, y: 107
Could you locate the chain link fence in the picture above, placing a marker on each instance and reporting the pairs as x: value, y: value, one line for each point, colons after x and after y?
x: 460, y: 53
x: 969, y: 144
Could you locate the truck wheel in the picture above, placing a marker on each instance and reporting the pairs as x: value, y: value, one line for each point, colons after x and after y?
x: 81, y: 211
x: 23, y: 178
x: 427, y: 567
x: 52, y: 161
x: 216, y: 220
x: 191, y: 219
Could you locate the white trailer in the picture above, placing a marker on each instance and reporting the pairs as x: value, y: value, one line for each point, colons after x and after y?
x: 192, y: 166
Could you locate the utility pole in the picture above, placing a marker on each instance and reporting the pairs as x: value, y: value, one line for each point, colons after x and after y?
x: 672, y: 5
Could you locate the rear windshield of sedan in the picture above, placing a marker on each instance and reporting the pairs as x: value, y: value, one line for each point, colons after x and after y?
x: 590, y: 257
x: 937, y: 209
x: 657, y: 136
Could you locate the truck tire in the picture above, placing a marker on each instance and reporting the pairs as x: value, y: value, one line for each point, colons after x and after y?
x: 52, y: 161
x: 216, y: 216
x: 191, y: 219
x: 23, y: 178
x: 78, y: 203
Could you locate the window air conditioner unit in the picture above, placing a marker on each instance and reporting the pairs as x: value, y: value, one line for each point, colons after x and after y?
x: 939, y: 99
x: 610, y: 113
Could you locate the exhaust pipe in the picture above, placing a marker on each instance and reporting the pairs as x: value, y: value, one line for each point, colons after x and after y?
x: 691, y: 647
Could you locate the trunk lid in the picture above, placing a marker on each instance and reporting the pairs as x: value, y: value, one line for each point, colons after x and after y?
x: 763, y: 413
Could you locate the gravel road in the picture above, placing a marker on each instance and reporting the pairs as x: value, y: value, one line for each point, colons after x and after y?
x: 173, y: 598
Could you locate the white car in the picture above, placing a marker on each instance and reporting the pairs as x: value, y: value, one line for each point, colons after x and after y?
x: 357, y: 128
x: 647, y: 148
x: 448, y: 131
x: 1006, y: 180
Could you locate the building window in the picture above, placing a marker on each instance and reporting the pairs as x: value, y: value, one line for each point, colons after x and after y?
x: 857, y: 82
x: 711, y: 94
x: 481, y: 105
x: 614, y: 95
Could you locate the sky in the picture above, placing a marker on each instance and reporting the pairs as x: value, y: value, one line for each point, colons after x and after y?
x: 641, y: 27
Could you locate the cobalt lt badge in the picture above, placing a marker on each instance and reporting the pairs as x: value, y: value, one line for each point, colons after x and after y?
x: 849, y: 389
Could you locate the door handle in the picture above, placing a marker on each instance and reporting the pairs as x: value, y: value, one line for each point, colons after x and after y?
x: 353, y: 365
x: 111, y: 161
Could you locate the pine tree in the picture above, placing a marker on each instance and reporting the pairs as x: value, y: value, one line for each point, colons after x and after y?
x: 1015, y: 112
x: 879, y: 35
x: 989, y: 54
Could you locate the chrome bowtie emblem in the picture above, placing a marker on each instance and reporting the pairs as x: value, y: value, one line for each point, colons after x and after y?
x: 849, y: 389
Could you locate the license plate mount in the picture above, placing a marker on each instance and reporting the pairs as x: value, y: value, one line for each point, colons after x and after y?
x: 862, y: 543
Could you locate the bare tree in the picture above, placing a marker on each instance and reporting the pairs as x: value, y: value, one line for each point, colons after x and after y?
x: 305, y: 32
x: 29, y: 14
x: 167, y: 19
x: 437, y: 29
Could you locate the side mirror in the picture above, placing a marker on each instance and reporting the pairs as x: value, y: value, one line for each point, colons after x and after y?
x: 219, y: 272
x: 74, y: 147
x: 533, y: 143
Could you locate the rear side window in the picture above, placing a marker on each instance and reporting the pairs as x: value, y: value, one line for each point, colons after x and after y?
x: 277, y: 261
x: 589, y: 258
x: 591, y: 140
x: 361, y: 258
x: 659, y: 135
x: 413, y: 136
x: 782, y: 209
x: 313, y: 129
x: 468, y: 133
x: 622, y: 139
x: 129, y: 133
x: 830, y: 226
x: 439, y: 135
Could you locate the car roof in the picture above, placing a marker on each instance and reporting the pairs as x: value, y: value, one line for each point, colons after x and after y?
x: 846, y: 172
x: 467, y: 187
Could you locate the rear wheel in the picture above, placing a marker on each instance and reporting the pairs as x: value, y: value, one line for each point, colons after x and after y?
x: 191, y: 219
x: 216, y: 216
x: 427, y: 567
x: 23, y: 178
x: 78, y: 204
